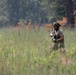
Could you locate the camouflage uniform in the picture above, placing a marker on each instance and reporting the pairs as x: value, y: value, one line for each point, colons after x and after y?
x: 56, y: 36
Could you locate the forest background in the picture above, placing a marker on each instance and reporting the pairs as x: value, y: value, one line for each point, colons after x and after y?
x: 37, y: 11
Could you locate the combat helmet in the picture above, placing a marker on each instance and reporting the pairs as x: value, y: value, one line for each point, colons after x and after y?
x: 56, y: 24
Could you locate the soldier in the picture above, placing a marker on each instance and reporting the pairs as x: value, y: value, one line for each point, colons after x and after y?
x: 57, y: 37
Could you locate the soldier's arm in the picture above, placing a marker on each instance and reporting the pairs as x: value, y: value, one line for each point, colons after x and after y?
x: 52, y: 33
x: 61, y: 36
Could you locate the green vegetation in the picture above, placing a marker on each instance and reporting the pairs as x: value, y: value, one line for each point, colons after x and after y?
x: 26, y: 52
x: 38, y: 11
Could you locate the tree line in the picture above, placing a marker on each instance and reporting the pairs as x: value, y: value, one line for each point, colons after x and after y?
x: 38, y: 11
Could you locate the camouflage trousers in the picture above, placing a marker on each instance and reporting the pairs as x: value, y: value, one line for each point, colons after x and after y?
x: 57, y: 45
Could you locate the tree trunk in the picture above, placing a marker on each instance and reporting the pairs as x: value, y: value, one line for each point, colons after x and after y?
x: 75, y: 5
x: 69, y: 12
x: 13, y: 9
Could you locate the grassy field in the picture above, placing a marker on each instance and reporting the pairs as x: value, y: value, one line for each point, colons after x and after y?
x: 27, y: 52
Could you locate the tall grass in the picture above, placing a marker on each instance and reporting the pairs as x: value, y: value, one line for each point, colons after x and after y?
x: 27, y: 52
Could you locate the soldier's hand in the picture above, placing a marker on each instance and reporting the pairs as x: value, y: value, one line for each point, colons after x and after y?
x: 51, y: 35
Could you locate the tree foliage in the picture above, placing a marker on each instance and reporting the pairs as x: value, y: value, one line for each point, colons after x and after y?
x: 3, y: 13
x: 39, y: 11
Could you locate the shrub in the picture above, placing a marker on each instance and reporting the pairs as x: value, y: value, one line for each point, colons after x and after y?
x: 3, y: 21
